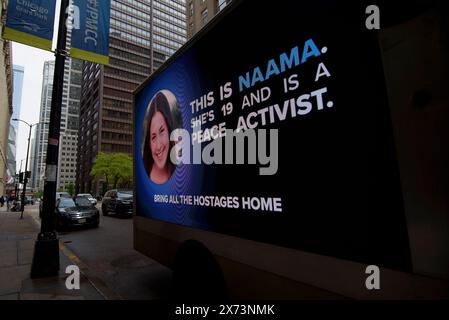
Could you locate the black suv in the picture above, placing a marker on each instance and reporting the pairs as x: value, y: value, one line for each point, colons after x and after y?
x: 119, y: 202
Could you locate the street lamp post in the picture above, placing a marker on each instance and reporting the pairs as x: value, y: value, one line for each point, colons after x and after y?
x: 25, y: 180
x: 46, y: 250
x: 16, y: 192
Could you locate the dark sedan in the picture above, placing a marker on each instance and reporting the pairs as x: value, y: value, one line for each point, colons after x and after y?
x: 119, y: 202
x: 78, y: 211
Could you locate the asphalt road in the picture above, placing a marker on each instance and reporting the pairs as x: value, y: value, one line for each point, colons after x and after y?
x: 109, y: 256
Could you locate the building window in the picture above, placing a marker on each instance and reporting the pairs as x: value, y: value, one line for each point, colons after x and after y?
x: 221, y: 4
x: 204, y: 14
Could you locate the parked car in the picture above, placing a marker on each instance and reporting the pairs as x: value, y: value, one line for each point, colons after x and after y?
x: 29, y: 200
x: 88, y: 196
x: 58, y: 195
x: 62, y: 194
x: 119, y: 202
x: 78, y: 211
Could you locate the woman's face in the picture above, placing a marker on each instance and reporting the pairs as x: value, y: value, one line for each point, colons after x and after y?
x: 159, y: 140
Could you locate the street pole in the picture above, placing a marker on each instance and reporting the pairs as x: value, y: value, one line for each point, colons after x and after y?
x: 46, y: 249
x: 25, y: 179
x: 17, y: 184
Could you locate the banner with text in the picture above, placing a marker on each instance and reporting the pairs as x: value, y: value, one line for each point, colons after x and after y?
x: 30, y: 22
x: 90, y: 38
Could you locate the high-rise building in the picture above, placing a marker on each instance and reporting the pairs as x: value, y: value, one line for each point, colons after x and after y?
x: 69, y: 126
x: 39, y: 158
x: 5, y: 99
x: 18, y: 73
x: 143, y: 34
x: 200, y: 12
x: 68, y: 141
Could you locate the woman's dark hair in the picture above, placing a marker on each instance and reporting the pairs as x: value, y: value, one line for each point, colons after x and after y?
x: 163, y: 102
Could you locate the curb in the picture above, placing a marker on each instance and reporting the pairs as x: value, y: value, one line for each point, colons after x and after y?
x: 97, y: 283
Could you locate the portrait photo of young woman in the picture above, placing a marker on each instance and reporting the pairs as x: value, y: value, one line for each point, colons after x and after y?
x: 158, y: 124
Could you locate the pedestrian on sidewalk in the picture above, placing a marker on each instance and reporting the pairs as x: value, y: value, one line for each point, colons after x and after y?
x: 2, y: 201
x: 8, y: 202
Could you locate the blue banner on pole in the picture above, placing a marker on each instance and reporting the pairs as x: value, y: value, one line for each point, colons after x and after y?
x: 30, y: 22
x: 90, y: 34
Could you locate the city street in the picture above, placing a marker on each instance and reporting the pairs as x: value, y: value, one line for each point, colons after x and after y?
x: 108, y: 255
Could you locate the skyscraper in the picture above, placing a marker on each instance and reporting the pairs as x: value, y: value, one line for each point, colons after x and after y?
x: 143, y: 34
x: 39, y: 158
x: 69, y: 126
x: 18, y: 73
x: 68, y: 140
x: 200, y: 12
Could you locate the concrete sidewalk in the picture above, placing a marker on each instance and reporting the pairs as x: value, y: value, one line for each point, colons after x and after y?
x: 17, y: 238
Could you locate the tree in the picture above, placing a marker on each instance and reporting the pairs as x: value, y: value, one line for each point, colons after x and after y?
x: 70, y: 188
x: 121, y: 169
x: 101, y: 167
x: 115, y: 168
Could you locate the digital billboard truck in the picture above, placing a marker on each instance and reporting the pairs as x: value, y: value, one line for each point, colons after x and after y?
x: 289, y: 151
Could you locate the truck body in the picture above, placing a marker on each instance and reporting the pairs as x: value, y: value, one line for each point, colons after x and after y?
x: 304, y: 148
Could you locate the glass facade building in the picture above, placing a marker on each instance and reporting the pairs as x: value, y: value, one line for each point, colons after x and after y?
x: 18, y: 73
x: 39, y: 156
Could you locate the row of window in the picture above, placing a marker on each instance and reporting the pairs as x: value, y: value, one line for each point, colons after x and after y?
x: 128, y: 9
x: 129, y: 46
x: 129, y: 66
x: 177, y: 13
x: 117, y: 94
x: 181, y: 7
x: 170, y: 35
x: 165, y: 49
x: 130, y: 37
x: 136, y: 27
x: 126, y: 85
x: 169, y: 25
x: 107, y: 124
x: 129, y: 56
x: 117, y: 104
x: 124, y: 74
x: 141, y: 4
x: 181, y: 23
x: 116, y: 136
x: 75, y: 78
x: 164, y: 40
x: 109, y: 147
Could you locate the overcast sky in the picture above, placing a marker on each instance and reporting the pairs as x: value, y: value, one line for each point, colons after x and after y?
x: 32, y: 59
